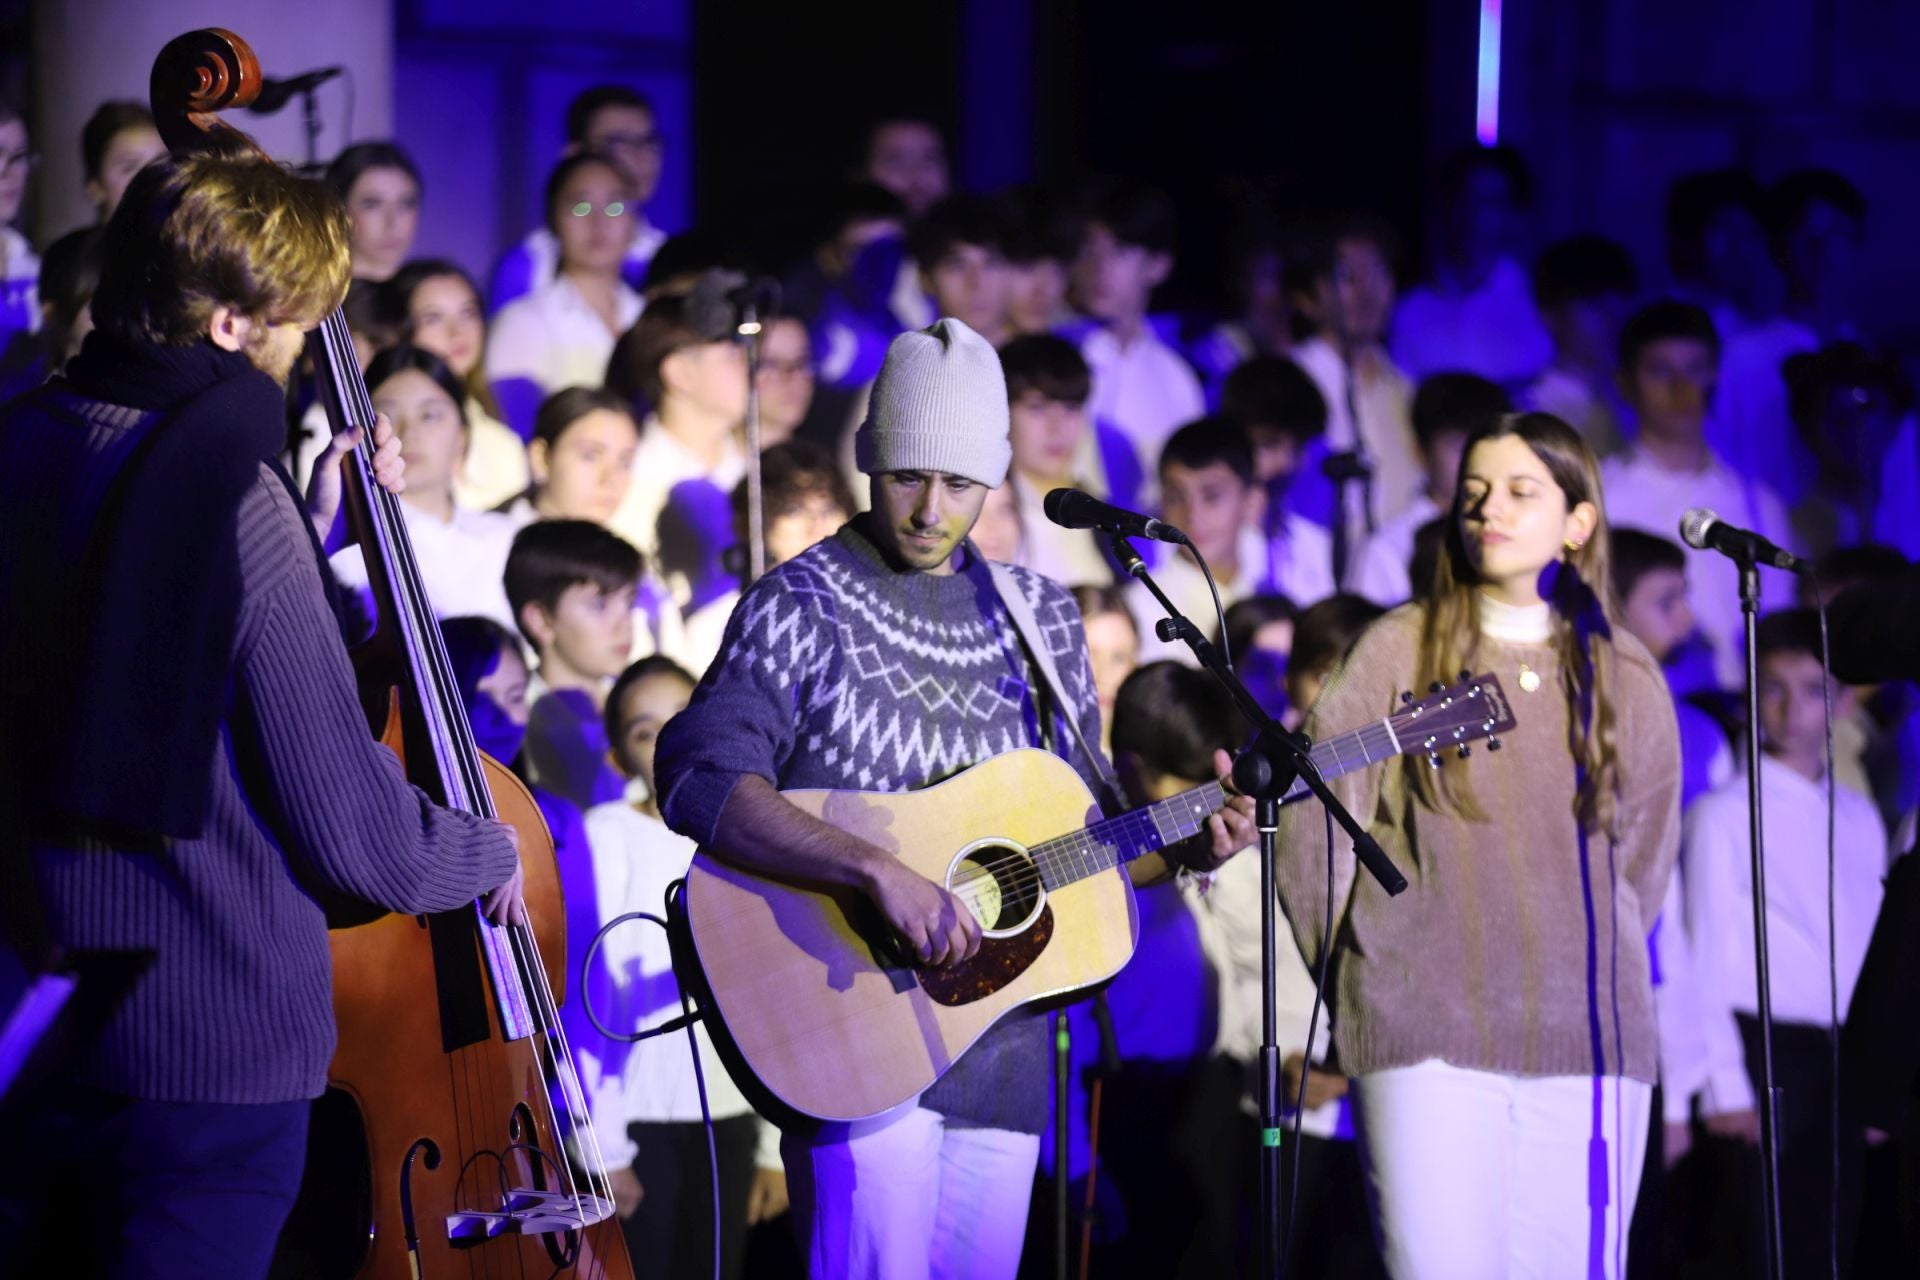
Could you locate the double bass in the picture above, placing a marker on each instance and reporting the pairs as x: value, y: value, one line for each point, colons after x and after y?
x: 454, y: 1139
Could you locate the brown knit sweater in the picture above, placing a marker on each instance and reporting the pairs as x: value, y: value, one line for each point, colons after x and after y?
x: 1510, y: 950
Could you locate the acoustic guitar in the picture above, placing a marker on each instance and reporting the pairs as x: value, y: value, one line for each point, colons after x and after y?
x: 807, y: 991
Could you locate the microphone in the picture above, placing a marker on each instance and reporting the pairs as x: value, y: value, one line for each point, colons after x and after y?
x: 1702, y: 530
x: 275, y: 94
x: 1072, y: 509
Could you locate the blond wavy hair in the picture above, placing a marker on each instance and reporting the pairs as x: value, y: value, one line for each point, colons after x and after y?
x: 1584, y: 617
x: 197, y: 233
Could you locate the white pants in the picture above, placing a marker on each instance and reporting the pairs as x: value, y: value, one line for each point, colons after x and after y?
x: 906, y: 1198
x: 1477, y: 1176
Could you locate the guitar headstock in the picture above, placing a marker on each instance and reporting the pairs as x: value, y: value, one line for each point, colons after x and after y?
x: 1454, y: 717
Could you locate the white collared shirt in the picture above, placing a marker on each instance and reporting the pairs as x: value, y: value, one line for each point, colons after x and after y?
x: 1717, y: 861
x: 463, y: 562
x: 634, y: 858
x: 1385, y: 405
x: 1144, y: 389
x: 1641, y: 494
x: 1298, y: 565
x: 553, y: 338
x: 1494, y: 330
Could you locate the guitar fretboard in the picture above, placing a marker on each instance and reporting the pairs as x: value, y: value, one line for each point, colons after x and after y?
x: 1108, y: 844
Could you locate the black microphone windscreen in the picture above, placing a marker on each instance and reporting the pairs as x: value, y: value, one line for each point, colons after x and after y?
x: 1066, y: 507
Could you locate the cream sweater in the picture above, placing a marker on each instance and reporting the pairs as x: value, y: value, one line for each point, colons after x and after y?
x: 1517, y: 948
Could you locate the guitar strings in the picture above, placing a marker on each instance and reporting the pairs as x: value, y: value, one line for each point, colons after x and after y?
x: 1376, y: 743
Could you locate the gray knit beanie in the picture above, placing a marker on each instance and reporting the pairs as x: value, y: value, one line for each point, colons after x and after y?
x: 939, y: 404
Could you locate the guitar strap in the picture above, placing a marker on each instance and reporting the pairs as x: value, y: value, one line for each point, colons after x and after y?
x: 1028, y: 628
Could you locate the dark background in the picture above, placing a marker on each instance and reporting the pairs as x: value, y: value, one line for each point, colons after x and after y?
x: 1308, y: 105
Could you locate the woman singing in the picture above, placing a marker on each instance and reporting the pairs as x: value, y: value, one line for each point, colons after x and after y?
x: 1497, y: 1017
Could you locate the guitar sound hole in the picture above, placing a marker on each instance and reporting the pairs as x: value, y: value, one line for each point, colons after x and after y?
x: 1000, y: 885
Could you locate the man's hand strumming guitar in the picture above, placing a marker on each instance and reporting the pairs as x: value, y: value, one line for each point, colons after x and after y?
x: 936, y: 925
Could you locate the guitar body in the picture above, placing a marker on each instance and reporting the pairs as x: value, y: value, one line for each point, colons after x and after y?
x: 804, y: 982
x: 805, y: 989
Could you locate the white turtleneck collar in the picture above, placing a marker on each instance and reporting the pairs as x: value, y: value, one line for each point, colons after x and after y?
x: 1514, y: 623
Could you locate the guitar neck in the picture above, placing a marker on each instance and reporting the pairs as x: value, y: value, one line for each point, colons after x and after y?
x: 1117, y: 841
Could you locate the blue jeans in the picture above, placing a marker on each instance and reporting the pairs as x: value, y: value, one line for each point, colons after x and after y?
x: 139, y: 1190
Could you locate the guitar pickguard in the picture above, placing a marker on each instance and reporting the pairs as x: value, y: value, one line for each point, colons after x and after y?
x: 998, y: 962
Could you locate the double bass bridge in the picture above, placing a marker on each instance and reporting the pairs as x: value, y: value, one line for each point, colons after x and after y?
x: 525, y: 1211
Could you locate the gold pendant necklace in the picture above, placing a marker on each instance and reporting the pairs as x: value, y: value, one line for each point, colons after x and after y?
x: 1529, y: 679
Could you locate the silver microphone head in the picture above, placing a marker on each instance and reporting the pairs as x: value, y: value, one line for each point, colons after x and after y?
x: 1694, y: 526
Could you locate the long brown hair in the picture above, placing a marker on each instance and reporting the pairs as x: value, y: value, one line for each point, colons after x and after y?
x: 1584, y: 616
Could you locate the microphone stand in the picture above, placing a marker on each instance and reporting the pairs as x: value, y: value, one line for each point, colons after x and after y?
x: 1062, y: 1081
x: 1265, y: 771
x: 1351, y: 465
x: 1769, y: 1097
x: 310, y: 122
x: 749, y: 331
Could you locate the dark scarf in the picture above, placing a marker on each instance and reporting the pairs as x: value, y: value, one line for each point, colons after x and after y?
x: 148, y: 688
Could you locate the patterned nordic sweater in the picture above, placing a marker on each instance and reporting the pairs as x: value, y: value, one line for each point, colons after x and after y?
x: 840, y: 671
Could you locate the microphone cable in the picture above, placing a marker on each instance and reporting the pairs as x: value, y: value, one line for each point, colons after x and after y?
x: 688, y: 1016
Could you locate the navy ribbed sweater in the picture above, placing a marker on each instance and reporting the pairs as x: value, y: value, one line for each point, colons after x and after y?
x: 236, y: 1005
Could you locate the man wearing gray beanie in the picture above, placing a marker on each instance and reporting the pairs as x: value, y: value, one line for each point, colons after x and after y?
x: 885, y: 659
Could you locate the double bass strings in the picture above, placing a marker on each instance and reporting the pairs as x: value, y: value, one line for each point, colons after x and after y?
x: 458, y: 757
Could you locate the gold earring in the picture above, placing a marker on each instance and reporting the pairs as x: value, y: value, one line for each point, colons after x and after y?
x: 1574, y: 544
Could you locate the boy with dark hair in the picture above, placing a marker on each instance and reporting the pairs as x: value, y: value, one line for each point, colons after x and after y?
x: 680, y: 360
x: 1818, y: 220
x: 1140, y: 384
x: 1717, y: 248
x: 1041, y: 241
x: 1814, y: 221
x: 1181, y: 1066
x: 1718, y: 857
x: 619, y: 122
x: 1650, y: 582
x: 906, y: 155
x: 959, y: 248
x: 1332, y: 1189
x: 1446, y: 410
x: 846, y: 290
x: 1583, y: 287
x: 803, y: 499
x: 1669, y: 368
x: 1477, y: 314
x: 1048, y: 383
x: 1283, y: 413
x: 1211, y: 492
x: 1259, y: 321
x: 1340, y: 279
x: 571, y: 586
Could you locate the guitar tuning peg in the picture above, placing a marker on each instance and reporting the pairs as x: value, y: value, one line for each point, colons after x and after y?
x: 1465, y: 675
x: 1406, y: 698
x: 1435, y: 687
x: 1493, y: 744
x: 1433, y: 759
x: 1465, y: 751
